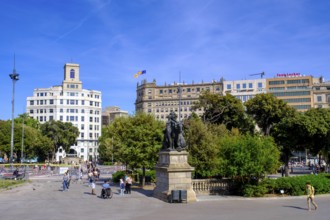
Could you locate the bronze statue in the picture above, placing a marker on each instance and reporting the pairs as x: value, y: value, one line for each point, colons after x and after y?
x: 173, y: 134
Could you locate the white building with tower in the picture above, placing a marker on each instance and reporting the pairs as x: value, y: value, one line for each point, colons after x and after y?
x: 69, y: 102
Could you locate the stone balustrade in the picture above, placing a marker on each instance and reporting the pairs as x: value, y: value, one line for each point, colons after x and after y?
x: 211, y: 186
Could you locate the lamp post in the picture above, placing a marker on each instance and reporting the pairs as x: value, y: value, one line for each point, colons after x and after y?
x: 22, y: 155
x: 14, y: 77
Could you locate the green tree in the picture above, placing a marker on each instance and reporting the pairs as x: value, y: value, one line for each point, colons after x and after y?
x: 35, y: 144
x: 203, y: 146
x: 267, y: 110
x: 60, y: 133
x: 226, y: 110
x: 248, y: 158
x: 316, y: 130
x: 135, y: 141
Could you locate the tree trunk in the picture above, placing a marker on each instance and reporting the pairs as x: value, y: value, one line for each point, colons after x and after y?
x: 143, y: 176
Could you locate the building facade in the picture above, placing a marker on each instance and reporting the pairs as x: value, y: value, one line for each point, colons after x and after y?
x: 69, y: 102
x: 110, y: 113
x: 244, y: 89
x: 321, y: 93
x: 160, y: 100
x: 293, y: 88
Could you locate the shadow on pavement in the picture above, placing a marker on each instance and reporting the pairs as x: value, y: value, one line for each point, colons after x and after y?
x: 295, y: 207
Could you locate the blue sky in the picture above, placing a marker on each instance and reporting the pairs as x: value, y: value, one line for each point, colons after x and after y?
x: 114, y: 39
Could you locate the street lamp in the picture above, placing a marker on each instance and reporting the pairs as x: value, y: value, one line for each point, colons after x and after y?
x: 14, y: 77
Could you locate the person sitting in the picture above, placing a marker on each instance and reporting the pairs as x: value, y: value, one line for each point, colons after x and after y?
x: 105, y: 189
x: 15, y: 174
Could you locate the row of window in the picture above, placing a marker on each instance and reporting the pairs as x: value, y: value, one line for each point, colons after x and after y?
x: 73, y: 118
x: 90, y: 135
x: 244, y: 86
x: 173, y: 103
x: 41, y: 111
x: 297, y: 100
x: 302, y: 107
x: 41, y: 94
x: 170, y: 109
x: 68, y: 102
x: 294, y: 81
x: 288, y: 88
x: 298, y: 93
x: 96, y: 127
x: 198, y: 89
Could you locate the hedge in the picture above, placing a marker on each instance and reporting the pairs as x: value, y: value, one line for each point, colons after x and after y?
x: 293, y: 186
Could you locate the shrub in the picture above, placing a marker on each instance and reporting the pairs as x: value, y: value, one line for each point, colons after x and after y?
x: 254, y: 190
x: 117, y: 175
x: 296, y: 186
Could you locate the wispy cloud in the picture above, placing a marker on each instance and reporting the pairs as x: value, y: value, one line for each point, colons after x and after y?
x: 82, y: 21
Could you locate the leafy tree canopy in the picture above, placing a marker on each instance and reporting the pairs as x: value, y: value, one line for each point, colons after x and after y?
x: 267, y: 110
x: 226, y: 110
x: 60, y: 133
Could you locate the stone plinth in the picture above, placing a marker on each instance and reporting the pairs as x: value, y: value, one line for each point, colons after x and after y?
x: 173, y: 173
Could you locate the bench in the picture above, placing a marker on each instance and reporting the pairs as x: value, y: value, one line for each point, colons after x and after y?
x: 10, y: 176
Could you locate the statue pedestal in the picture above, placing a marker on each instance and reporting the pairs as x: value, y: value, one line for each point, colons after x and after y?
x: 173, y: 173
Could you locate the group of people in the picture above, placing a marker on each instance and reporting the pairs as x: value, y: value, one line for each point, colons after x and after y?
x: 125, y: 185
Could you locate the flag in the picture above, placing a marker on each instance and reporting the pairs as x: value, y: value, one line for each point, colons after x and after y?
x: 140, y: 73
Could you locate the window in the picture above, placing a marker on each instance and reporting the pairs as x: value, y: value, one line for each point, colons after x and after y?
x: 170, y: 91
x: 188, y: 90
x: 82, y: 149
x: 82, y: 127
x: 276, y: 82
x: 250, y: 85
x: 259, y: 85
x: 319, y: 98
x: 61, y: 118
x: 91, y: 103
x: 51, y: 110
x: 228, y: 86
x: 31, y: 111
x: 72, y: 74
x: 82, y: 102
x: 31, y: 102
x: 244, y: 85
x: 238, y: 86
x: 82, y: 118
x: 51, y: 101
x: 160, y: 91
x: 90, y: 119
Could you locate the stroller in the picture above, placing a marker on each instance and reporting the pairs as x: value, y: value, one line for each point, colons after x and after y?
x: 106, y: 193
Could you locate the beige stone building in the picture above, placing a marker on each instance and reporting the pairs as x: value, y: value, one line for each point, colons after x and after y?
x: 321, y: 93
x: 110, y: 113
x: 160, y: 100
x: 294, y: 88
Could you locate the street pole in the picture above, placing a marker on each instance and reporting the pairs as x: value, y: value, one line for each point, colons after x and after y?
x: 14, y: 77
x: 22, y: 140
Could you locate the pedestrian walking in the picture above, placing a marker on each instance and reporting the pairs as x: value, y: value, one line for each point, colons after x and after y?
x: 310, y: 196
x: 128, y: 185
x: 65, y: 182
x: 122, y: 187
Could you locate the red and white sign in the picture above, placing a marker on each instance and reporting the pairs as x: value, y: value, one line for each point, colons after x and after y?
x: 288, y: 74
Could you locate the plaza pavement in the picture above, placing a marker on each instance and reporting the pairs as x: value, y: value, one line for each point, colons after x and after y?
x: 43, y: 199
